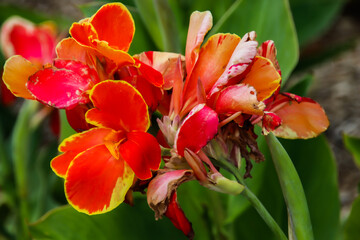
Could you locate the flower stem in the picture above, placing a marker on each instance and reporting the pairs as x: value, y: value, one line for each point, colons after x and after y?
x: 299, y: 218
x: 19, y: 149
x: 255, y: 202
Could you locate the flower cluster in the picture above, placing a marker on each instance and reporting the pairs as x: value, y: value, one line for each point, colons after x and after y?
x: 210, y: 100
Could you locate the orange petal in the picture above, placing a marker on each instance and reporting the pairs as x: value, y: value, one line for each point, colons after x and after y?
x: 239, y: 98
x: 165, y: 63
x: 263, y: 77
x: 76, y: 144
x: 142, y: 152
x: 68, y: 48
x: 268, y: 50
x: 300, y: 119
x: 200, y: 24
x: 83, y: 33
x: 96, y: 182
x: 17, y: 71
x: 120, y: 28
x: 213, y: 59
x: 119, y: 106
x: 120, y: 57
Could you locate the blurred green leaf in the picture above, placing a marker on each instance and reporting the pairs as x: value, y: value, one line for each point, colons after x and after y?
x: 351, y: 228
x: 125, y: 222
x: 65, y: 128
x: 353, y: 145
x: 313, y: 18
x: 301, y: 88
x: 88, y: 9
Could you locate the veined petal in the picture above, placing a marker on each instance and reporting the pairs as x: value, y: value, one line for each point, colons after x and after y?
x: 76, y: 144
x: 142, y: 153
x: 17, y: 71
x: 199, y: 127
x: 120, y: 28
x: 241, y: 58
x: 114, y: 103
x: 200, y: 24
x: 263, y: 77
x: 165, y: 63
x: 268, y: 50
x: 239, y: 98
x: 213, y: 59
x: 300, y: 119
x: 63, y: 87
x: 96, y: 182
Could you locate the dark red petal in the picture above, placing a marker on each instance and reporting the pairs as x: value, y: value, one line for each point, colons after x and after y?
x: 150, y: 74
x: 142, y: 152
x: 76, y: 118
x: 199, y: 127
x: 178, y: 218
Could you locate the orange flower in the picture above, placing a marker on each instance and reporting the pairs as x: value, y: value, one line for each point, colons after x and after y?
x: 99, y: 165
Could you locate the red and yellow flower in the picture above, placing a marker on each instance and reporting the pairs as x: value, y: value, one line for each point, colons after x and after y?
x: 99, y: 165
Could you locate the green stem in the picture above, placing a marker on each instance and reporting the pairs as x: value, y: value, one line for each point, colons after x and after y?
x: 300, y: 227
x: 19, y: 148
x: 255, y: 202
x: 167, y: 23
x: 224, y: 17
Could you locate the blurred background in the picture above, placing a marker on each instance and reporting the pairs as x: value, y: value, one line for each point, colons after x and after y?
x: 328, y: 70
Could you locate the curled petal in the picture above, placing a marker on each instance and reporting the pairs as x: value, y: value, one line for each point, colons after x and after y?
x: 241, y: 58
x: 114, y: 103
x: 63, y: 87
x: 76, y: 144
x: 268, y: 50
x: 263, y: 77
x: 165, y: 63
x: 213, y: 59
x: 239, y: 98
x: 301, y: 117
x: 200, y: 24
x: 142, y: 153
x: 163, y: 186
x: 17, y: 71
x: 96, y: 182
x: 199, y: 127
x: 178, y: 218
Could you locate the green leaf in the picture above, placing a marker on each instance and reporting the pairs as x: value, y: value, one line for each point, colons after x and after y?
x: 65, y: 128
x: 301, y: 88
x: 351, y: 228
x: 125, y: 222
x: 88, y: 9
x: 353, y: 145
x: 313, y: 18
x: 299, y: 217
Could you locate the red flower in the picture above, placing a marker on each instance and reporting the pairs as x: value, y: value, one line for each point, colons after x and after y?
x: 99, y: 165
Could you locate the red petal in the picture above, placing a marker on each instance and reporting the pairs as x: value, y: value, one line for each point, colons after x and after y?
x: 268, y: 50
x: 7, y: 98
x: 270, y: 122
x: 239, y: 98
x: 142, y: 152
x: 199, y: 127
x: 301, y: 117
x: 65, y: 87
x: 96, y: 182
x: 21, y: 37
x: 114, y: 103
x: 76, y: 118
x: 76, y: 144
x: 178, y: 218
x: 150, y: 74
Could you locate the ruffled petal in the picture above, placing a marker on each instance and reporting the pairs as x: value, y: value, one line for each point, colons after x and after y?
x: 263, y: 77
x: 300, y: 117
x: 142, y: 153
x: 76, y: 144
x: 96, y: 182
x: 200, y: 24
x: 165, y: 63
x: 63, y: 87
x: 17, y: 71
x: 114, y: 103
x: 120, y: 28
x: 239, y: 98
x: 199, y: 127
x: 213, y: 59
